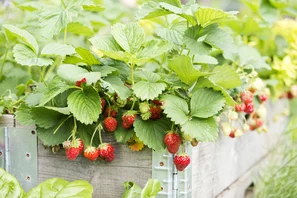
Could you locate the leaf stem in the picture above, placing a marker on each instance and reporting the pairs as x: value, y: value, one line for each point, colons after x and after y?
x: 133, y: 104
x: 61, y: 124
x: 74, y: 129
x: 3, y: 62
x: 41, y: 79
x: 65, y: 34
x: 63, y: 3
x: 132, y: 73
x: 91, y: 142
x: 52, y: 67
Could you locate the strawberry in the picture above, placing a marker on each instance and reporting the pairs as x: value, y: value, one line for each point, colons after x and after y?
x: 249, y: 108
x: 181, y: 161
x: 157, y: 102
x: 232, y: 134
x: 263, y: 97
x: 66, y: 144
x: 110, y: 124
x: 144, y: 107
x: 109, y: 111
x: 103, y: 103
x: 240, y: 107
x: 106, y: 152
x: 259, y: 123
x: 172, y: 141
x: 80, y: 82
x: 91, y: 153
x: 128, y: 119
x: 155, y: 112
x: 246, y: 97
x: 72, y: 152
x: 194, y: 142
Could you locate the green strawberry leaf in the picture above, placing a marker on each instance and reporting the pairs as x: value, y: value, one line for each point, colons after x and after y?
x: 254, y: 58
x: 152, y: 133
x: 152, y: 49
x: 54, y: 88
x: 23, y: 115
x: 150, y: 87
x: 132, y: 190
x: 151, y: 189
x: 221, y: 73
x: 93, y: 8
x: 182, y: 66
x: 204, y: 130
x: 206, y: 16
x: 22, y: 35
x: 47, y: 136
x: 194, y: 41
x: 25, y: 56
x: 45, y: 118
x: 62, y: 110
x: 57, y: 49
x: 33, y: 99
x: 205, y: 59
x: 129, y: 36
x: 73, y: 73
x: 87, y: 56
x: 52, y: 21
x: 176, y: 109
x: 150, y: 10
x: 104, y: 70
x: 114, y: 84
x: 206, y: 103
x: 85, y: 105
x: 121, y: 134
x: 57, y: 187
x: 109, y: 47
x: 85, y: 133
x: 80, y: 29
x: 9, y: 185
x: 173, y: 33
x: 204, y: 82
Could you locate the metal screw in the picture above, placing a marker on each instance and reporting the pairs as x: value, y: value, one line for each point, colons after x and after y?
x: 0, y: 153
x: 28, y: 178
x: 161, y: 163
x: 33, y: 132
x: 161, y: 188
x: 28, y: 155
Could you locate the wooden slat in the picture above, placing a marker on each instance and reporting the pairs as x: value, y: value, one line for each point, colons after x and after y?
x: 6, y: 121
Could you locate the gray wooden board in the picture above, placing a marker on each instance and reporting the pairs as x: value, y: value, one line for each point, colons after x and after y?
x: 217, y: 165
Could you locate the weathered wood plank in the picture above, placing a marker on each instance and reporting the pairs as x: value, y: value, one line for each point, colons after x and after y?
x: 6, y: 121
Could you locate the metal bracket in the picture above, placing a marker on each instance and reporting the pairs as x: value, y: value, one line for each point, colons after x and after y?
x: 175, y: 184
x: 18, y: 154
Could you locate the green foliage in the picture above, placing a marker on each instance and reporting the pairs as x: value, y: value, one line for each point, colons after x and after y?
x: 55, y: 187
x: 150, y: 190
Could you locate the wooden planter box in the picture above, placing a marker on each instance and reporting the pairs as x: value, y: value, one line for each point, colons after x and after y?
x: 218, y: 169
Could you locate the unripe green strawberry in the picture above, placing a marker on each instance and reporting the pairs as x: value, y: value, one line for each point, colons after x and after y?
x: 146, y: 116
x: 91, y: 153
x: 172, y: 141
x: 144, y: 107
x: 121, y: 102
x: 106, y: 152
x: 181, y: 161
x: 110, y: 124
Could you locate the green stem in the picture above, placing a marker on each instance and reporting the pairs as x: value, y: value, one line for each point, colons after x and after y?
x: 133, y: 104
x: 91, y: 142
x: 132, y: 73
x: 3, y: 62
x: 61, y: 124
x: 100, y: 138
x: 65, y: 35
x: 172, y: 126
x: 182, y: 49
x: 74, y: 129
x: 52, y: 67
x: 63, y: 3
x: 41, y: 79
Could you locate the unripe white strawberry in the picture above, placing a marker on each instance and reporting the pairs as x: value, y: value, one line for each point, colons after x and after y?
x: 238, y: 133
x: 226, y: 128
x: 258, y: 84
x: 261, y: 111
x: 246, y: 128
x: 293, y: 90
x: 232, y: 115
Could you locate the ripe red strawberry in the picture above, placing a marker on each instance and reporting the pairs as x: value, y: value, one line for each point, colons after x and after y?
x: 91, y: 153
x: 72, y: 153
x: 172, y: 141
x: 232, y: 134
x: 240, y: 107
x: 103, y: 103
x: 263, y: 97
x: 112, y: 112
x: 249, y: 108
x: 259, y: 123
x: 155, y: 112
x: 79, y: 82
x: 181, y: 161
x: 128, y: 119
x: 157, y: 102
x: 110, y: 124
x: 246, y: 97
x: 106, y: 152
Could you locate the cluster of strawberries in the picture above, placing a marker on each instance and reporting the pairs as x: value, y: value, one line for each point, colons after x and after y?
x: 74, y: 148
x: 173, y: 141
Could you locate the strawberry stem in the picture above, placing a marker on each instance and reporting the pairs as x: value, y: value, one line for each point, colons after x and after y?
x: 97, y: 127
x: 109, y: 108
x: 61, y: 124
x: 99, y: 130
x: 172, y: 126
x: 132, y: 107
x: 74, y: 129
